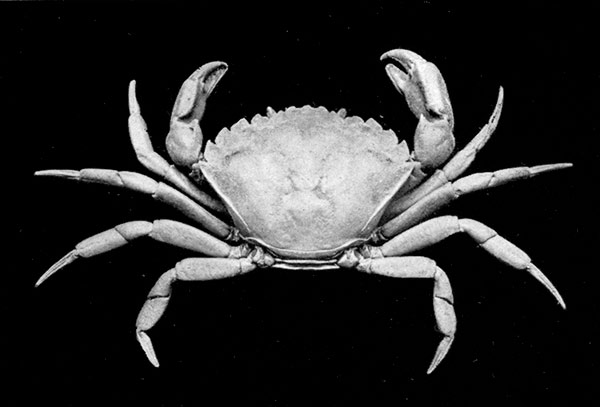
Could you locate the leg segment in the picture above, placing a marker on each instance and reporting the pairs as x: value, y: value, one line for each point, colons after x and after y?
x: 454, y: 168
x: 437, y: 229
x: 157, y: 190
x: 154, y: 162
x: 443, y: 301
x: 434, y: 200
x: 427, y: 96
x: 166, y: 231
x: 193, y: 269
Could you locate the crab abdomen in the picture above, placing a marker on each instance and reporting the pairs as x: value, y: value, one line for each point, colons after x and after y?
x: 306, y: 182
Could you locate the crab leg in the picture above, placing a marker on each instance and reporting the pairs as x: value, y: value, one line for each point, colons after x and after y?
x: 157, y: 190
x: 154, y: 162
x: 164, y: 230
x: 443, y: 301
x: 450, y: 191
x: 184, y: 141
x: 192, y: 269
x: 425, y: 91
x: 437, y: 229
x: 453, y: 168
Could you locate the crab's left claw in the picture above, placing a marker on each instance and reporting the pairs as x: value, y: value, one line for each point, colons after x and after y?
x: 425, y: 91
x: 184, y: 141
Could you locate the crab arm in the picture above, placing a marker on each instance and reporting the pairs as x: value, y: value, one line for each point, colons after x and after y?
x: 426, y: 94
x: 192, y: 269
x: 430, y: 203
x: 157, y: 190
x: 443, y: 301
x: 163, y: 230
x: 457, y: 165
x: 184, y: 141
x: 150, y: 159
x: 437, y: 229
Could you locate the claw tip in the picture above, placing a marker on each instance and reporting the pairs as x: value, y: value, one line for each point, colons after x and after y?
x: 384, y: 55
x: 393, y: 53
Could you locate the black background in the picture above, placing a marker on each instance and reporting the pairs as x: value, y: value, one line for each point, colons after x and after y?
x: 275, y: 338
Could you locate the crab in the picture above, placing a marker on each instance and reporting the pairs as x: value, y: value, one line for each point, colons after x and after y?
x: 308, y: 188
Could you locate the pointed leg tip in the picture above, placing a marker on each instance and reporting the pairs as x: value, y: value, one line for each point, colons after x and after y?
x: 147, y: 346
x: 55, y: 173
x: 67, y: 259
x: 131, y: 90
x: 154, y: 362
x: 541, y: 277
x: 539, y: 169
x: 560, y: 300
x: 434, y: 363
x: 498, y: 108
x: 45, y: 277
x: 71, y: 174
x: 500, y: 100
x: 134, y: 107
x: 47, y: 173
x: 440, y: 353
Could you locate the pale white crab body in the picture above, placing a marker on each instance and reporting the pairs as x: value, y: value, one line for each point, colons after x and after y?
x: 306, y: 182
x: 307, y: 188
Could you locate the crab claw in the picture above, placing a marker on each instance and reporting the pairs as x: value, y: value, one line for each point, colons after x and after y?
x: 184, y: 140
x: 425, y: 91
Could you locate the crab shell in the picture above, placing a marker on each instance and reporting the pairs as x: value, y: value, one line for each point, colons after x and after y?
x: 306, y: 183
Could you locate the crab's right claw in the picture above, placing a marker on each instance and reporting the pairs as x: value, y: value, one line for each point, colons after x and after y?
x: 184, y: 141
x: 425, y: 91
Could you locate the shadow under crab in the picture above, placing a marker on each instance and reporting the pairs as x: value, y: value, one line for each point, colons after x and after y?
x: 307, y: 188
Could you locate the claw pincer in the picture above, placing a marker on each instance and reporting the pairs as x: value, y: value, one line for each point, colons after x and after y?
x: 184, y: 141
x: 426, y: 94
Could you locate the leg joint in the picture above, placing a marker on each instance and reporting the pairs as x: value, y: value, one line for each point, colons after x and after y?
x: 133, y: 230
x: 162, y: 287
x: 477, y: 230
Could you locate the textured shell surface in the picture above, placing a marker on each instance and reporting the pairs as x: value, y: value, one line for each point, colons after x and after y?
x: 306, y: 182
